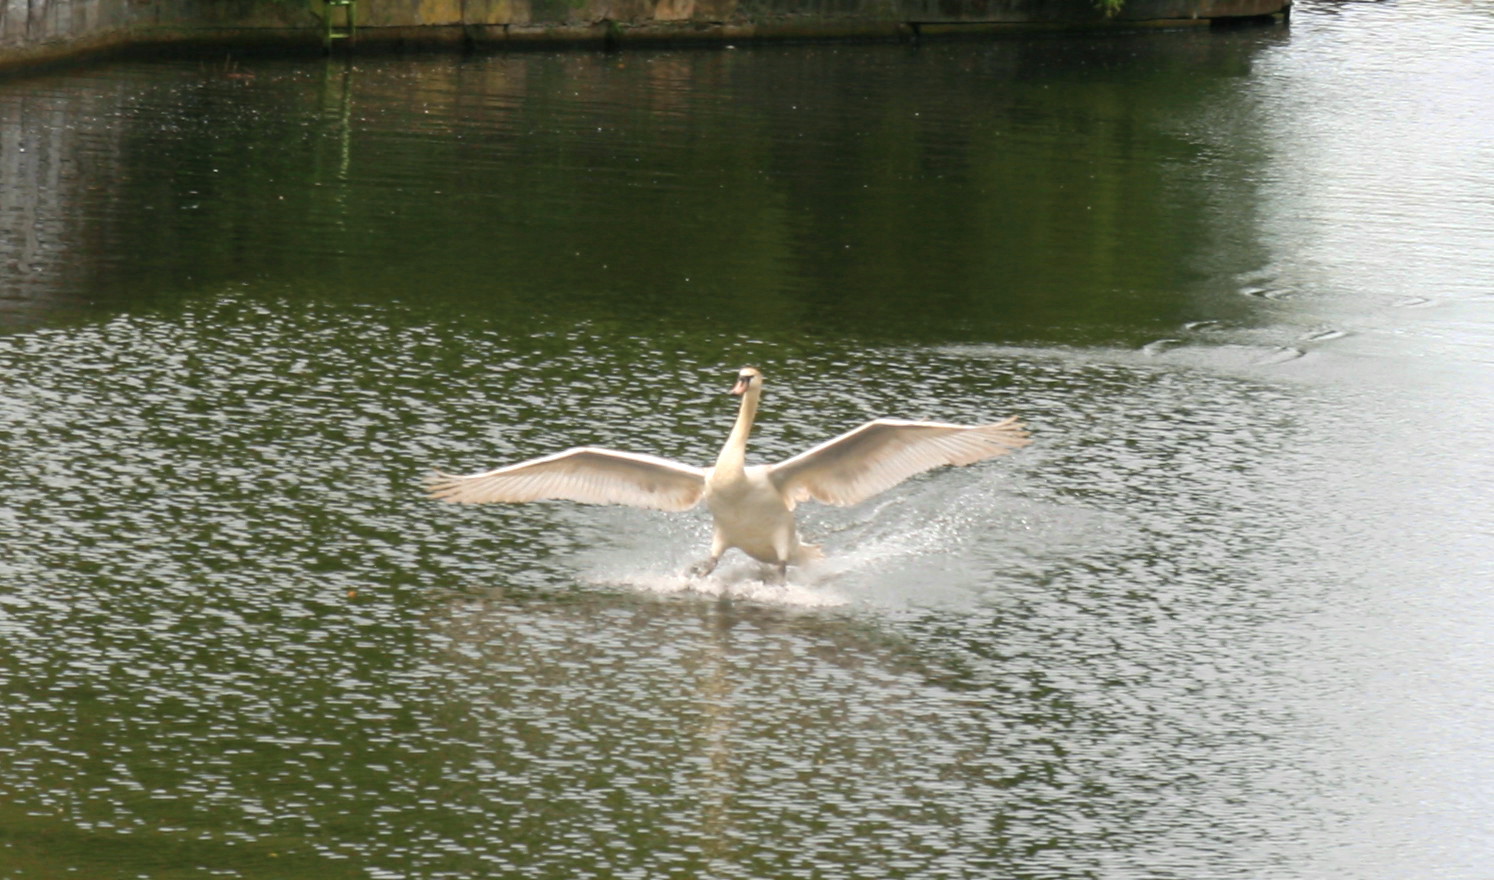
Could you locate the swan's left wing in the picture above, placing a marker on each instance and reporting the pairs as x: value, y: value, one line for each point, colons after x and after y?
x: 882, y: 453
x: 586, y: 474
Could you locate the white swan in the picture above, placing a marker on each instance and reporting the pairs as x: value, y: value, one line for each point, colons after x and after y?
x: 752, y: 506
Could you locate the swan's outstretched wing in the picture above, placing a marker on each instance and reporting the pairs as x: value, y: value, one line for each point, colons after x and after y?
x: 585, y: 474
x: 882, y: 453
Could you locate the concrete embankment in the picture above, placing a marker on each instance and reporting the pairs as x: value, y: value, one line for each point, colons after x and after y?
x: 41, y: 31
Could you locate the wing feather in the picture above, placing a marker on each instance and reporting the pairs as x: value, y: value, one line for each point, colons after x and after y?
x: 585, y: 474
x: 882, y: 453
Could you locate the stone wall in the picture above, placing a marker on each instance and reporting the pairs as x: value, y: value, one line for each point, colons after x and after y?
x: 37, y: 31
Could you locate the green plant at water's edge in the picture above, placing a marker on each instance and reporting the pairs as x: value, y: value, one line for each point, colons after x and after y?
x: 1109, y: 7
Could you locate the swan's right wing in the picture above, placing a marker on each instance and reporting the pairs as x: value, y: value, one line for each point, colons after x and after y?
x: 586, y: 474
x: 882, y: 453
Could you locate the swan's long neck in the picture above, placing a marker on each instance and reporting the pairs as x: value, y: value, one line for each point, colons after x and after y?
x: 733, y: 457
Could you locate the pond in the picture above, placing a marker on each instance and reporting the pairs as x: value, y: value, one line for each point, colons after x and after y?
x: 1228, y: 616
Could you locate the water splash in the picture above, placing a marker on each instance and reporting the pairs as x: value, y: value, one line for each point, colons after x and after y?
x: 745, y: 582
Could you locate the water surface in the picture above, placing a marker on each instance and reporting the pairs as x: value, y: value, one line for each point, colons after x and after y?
x: 1227, y: 617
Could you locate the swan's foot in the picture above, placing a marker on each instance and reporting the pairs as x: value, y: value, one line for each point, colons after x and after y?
x: 703, y: 568
x: 780, y: 575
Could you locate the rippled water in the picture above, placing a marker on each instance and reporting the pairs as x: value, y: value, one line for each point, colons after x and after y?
x: 1227, y: 617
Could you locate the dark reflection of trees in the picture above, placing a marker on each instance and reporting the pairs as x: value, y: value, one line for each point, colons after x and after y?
x: 46, y: 131
x: 1016, y: 188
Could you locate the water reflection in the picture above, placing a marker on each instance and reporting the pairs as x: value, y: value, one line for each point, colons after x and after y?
x: 818, y: 181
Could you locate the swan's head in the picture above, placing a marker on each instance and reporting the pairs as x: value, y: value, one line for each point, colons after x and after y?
x: 748, y: 380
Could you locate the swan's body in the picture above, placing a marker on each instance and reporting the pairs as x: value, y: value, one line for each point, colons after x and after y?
x: 752, y: 507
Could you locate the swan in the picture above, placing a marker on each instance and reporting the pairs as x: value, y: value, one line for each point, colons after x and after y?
x: 752, y: 507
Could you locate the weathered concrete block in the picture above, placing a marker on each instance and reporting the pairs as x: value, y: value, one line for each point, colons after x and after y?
x: 410, y: 13
x: 716, y: 10
x: 489, y: 12
x: 674, y: 10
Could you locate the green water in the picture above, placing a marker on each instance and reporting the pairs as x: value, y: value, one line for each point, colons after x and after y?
x: 1227, y: 617
x: 872, y: 191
